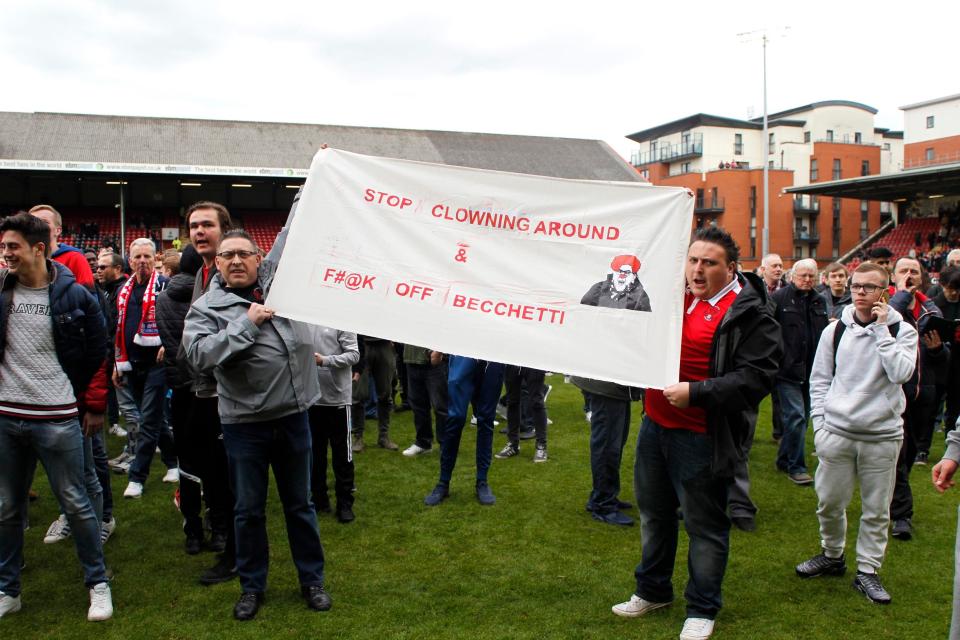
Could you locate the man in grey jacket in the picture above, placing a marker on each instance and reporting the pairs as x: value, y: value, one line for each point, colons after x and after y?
x: 857, y: 404
x: 264, y: 367
x: 942, y: 478
x: 336, y: 353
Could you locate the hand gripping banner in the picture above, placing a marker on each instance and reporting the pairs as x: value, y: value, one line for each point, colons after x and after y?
x: 572, y: 276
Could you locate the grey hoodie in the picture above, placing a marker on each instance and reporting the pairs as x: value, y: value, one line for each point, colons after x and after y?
x: 863, y: 399
x: 262, y: 373
x: 340, y: 352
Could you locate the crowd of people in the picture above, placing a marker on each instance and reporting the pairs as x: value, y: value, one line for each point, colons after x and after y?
x: 181, y: 346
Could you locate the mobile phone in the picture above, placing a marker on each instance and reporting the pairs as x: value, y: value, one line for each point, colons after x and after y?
x: 884, y: 295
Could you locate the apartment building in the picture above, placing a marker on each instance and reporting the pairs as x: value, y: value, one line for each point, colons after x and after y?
x: 931, y: 132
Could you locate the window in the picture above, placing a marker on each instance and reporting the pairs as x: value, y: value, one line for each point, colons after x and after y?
x: 864, y: 224
x: 753, y: 221
x: 814, y: 172
x: 714, y: 200
x: 738, y: 144
x: 928, y: 155
x: 857, y: 138
x: 685, y: 138
x: 836, y: 227
x: 653, y: 151
x: 699, y: 203
x: 836, y: 168
x: 865, y: 167
x: 929, y: 122
x: 806, y: 136
x: 864, y: 206
x: 685, y: 168
x: 829, y: 135
x: 886, y: 146
x: 770, y: 143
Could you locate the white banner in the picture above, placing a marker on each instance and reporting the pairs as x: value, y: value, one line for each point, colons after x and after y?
x: 571, y: 276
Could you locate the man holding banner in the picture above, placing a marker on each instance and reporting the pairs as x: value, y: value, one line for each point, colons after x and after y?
x: 695, y: 431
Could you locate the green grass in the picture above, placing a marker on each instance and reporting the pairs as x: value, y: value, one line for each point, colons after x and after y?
x: 535, y: 565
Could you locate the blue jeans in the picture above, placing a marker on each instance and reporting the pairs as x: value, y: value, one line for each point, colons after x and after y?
x: 148, y: 385
x: 477, y: 382
x: 673, y: 470
x: 59, y: 447
x: 795, y: 411
x: 253, y: 447
x: 609, y: 427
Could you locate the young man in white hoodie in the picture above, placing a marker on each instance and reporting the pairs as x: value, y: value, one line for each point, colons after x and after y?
x: 857, y: 405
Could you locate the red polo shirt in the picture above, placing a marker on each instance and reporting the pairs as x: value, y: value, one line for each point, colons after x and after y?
x: 700, y: 322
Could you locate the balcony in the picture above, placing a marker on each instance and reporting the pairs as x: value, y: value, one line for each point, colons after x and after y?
x: 669, y: 152
x: 705, y: 206
x: 806, y: 204
x: 802, y: 235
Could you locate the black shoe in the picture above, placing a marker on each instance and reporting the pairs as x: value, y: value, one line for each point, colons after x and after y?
x: 869, y: 585
x: 744, y: 523
x: 922, y: 458
x: 902, y: 529
x: 193, y: 545
x: 345, y: 514
x: 223, y: 571
x: 218, y: 542
x: 485, y: 494
x: 247, y: 606
x: 821, y: 565
x: 510, y: 450
x: 527, y: 434
x: 613, y: 517
x: 624, y: 505
x: 317, y: 599
x: 323, y: 505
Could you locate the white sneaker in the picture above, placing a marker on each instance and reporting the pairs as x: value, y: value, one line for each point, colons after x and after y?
x: 8, y: 604
x: 172, y: 475
x: 415, y: 450
x: 589, y: 416
x: 117, y: 430
x: 636, y: 607
x: 106, y: 530
x: 59, y: 530
x: 133, y: 490
x: 697, y: 629
x: 101, y: 604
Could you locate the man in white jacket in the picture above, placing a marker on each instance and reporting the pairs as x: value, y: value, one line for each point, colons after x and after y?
x: 856, y: 404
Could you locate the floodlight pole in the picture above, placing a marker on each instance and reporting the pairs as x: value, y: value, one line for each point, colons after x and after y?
x: 766, y: 158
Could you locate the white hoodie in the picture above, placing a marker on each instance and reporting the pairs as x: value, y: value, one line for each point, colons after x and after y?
x: 863, y: 400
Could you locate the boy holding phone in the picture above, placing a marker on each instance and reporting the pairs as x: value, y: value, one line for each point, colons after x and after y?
x: 857, y: 404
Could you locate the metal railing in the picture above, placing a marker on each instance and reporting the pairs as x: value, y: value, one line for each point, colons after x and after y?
x: 945, y: 158
x: 669, y: 152
x: 806, y: 204
x: 708, y: 205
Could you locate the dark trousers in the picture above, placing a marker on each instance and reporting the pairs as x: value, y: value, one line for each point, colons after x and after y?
x: 382, y: 367
x: 775, y: 417
x: 113, y: 409
x: 148, y: 385
x: 214, y: 470
x: 475, y: 382
x: 738, y: 497
x: 920, y: 406
x: 514, y: 379
x: 186, y: 437
x: 672, y: 470
x: 103, y: 471
x: 609, y: 428
x: 331, y: 426
x: 427, y: 388
x: 402, y: 377
x: 252, y: 449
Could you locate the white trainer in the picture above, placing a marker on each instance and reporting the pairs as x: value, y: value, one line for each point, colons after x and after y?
x: 117, y: 430
x: 415, y: 450
x: 636, y: 607
x: 8, y: 604
x: 697, y: 629
x: 59, y: 530
x: 133, y: 490
x: 172, y: 475
x: 106, y: 530
x: 101, y: 604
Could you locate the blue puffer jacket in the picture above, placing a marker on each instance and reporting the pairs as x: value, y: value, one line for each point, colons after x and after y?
x: 79, y: 331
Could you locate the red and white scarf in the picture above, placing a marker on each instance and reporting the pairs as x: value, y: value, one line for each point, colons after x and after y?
x: 147, y: 332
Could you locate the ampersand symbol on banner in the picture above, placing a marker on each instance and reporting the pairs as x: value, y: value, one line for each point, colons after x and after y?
x: 461, y: 253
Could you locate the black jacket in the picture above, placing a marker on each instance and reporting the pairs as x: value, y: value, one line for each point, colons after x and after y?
x: 932, y: 364
x: 802, y: 317
x: 79, y: 331
x: 834, y: 310
x: 744, y: 359
x: 173, y: 303
x: 112, y: 291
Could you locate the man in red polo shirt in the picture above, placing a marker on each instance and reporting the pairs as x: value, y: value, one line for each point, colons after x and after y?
x: 695, y: 431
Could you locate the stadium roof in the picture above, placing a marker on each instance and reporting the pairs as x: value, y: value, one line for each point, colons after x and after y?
x: 909, y: 185
x: 74, y: 142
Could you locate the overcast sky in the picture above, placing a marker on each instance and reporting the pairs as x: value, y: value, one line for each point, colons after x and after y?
x: 585, y: 70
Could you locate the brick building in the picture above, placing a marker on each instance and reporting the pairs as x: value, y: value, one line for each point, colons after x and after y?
x: 932, y: 132
x: 721, y: 160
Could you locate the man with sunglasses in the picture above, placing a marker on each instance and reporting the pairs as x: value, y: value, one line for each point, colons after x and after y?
x: 265, y: 371
x: 857, y: 404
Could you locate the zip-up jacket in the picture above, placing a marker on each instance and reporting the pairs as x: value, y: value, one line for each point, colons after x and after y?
x: 79, y: 333
x: 340, y: 352
x: 173, y: 303
x: 835, y: 309
x: 802, y: 316
x: 932, y: 364
x: 744, y: 358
